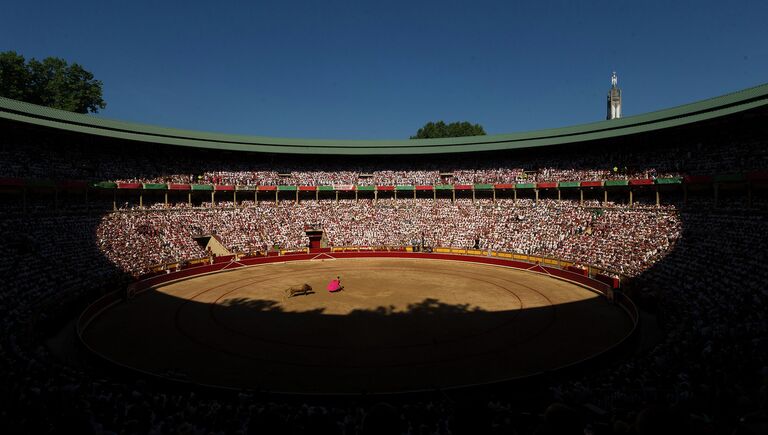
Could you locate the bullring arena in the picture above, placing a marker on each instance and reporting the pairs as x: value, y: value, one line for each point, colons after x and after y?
x: 601, y: 268
x: 400, y: 324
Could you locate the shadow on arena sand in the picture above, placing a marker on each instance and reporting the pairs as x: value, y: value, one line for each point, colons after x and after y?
x: 254, y: 343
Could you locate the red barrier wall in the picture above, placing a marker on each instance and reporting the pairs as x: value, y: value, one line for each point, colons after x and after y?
x: 601, y: 287
x: 610, y: 280
x: 224, y: 259
x: 581, y: 279
x: 578, y: 270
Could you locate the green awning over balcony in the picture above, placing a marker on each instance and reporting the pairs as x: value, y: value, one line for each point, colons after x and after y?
x: 569, y: 184
x: 105, y: 185
x: 674, y: 180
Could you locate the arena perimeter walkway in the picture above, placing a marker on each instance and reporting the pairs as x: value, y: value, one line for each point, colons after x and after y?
x: 399, y: 325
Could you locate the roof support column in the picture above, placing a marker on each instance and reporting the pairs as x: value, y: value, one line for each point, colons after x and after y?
x: 494, y: 195
x: 453, y: 195
x: 658, y: 197
x: 141, y: 199
x: 536, y: 192
x: 605, y: 196
x: 213, y: 201
x: 297, y: 196
x: 558, y: 194
x: 581, y: 196
x: 514, y: 198
x: 189, y: 198
x: 166, y: 199
x: 234, y: 197
x: 631, y: 198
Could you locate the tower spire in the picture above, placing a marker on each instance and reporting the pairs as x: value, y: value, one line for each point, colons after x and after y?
x: 614, y: 99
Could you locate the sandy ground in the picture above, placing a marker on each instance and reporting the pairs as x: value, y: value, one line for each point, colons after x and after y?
x: 398, y: 325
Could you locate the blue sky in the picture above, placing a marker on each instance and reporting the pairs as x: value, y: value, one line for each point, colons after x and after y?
x: 381, y: 69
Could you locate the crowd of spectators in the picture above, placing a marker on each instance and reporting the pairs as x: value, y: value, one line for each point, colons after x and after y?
x: 616, y: 238
x: 158, y: 164
x: 703, y: 272
x: 710, y: 296
x: 698, y: 271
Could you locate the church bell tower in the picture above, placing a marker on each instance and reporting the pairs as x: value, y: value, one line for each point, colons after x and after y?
x: 614, y: 99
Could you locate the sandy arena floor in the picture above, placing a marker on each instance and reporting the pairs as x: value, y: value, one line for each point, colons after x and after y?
x: 398, y: 325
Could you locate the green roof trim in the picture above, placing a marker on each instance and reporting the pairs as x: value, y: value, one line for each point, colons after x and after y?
x: 483, y: 186
x: 728, y: 104
x: 568, y: 184
x: 325, y: 188
x: 525, y: 186
x: 404, y: 187
x: 366, y: 188
x: 155, y: 186
x: 203, y: 187
x: 613, y: 183
x: 105, y: 185
x: 673, y: 180
x: 287, y: 188
x: 730, y: 178
x: 443, y: 187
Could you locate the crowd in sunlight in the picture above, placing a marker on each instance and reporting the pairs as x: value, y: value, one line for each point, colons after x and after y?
x: 618, y: 238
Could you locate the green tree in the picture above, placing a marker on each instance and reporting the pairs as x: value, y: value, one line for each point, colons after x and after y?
x: 51, y: 82
x: 454, y: 129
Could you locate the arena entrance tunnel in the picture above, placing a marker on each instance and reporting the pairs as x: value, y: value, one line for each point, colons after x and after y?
x: 404, y: 322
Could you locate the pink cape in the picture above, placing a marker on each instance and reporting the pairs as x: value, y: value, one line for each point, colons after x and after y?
x: 333, y: 286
